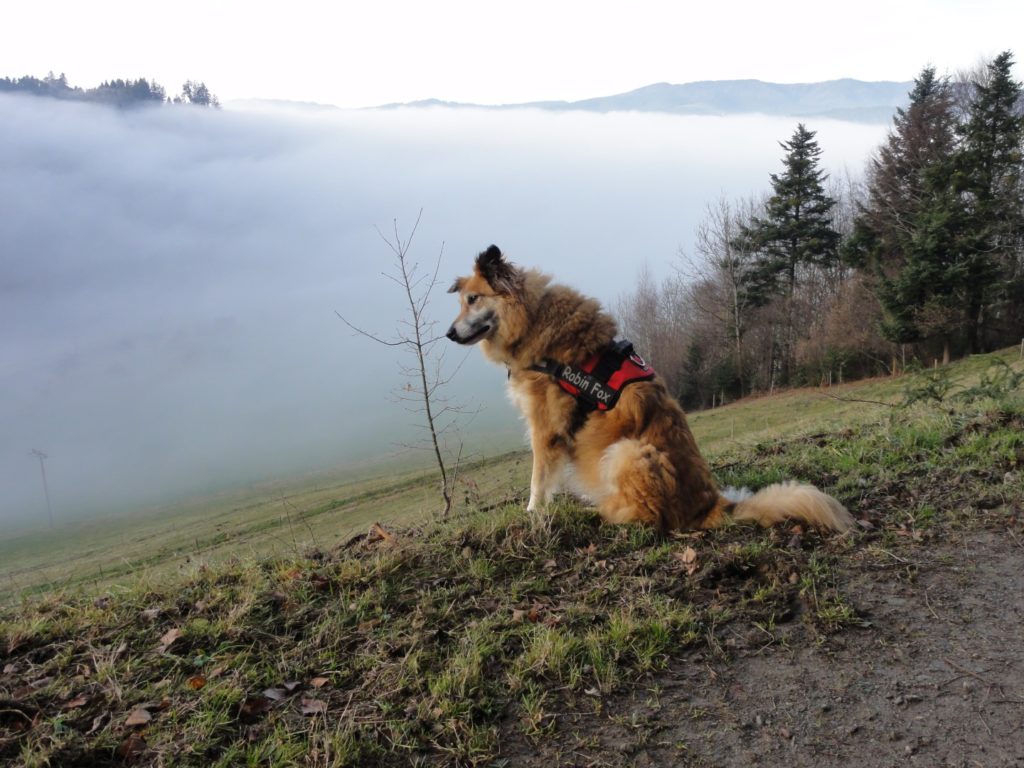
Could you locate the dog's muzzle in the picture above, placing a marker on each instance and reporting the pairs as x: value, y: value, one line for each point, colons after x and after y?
x: 476, y: 335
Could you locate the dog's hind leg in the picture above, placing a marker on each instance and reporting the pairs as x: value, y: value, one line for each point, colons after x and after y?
x: 639, y: 484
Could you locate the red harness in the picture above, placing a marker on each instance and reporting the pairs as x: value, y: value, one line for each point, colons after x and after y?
x: 601, y: 379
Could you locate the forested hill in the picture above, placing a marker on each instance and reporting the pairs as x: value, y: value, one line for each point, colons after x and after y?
x: 119, y: 93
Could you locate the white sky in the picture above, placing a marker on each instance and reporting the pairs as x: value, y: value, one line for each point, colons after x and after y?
x: 378, y: 51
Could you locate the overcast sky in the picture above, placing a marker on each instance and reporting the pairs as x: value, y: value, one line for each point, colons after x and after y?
x: 372, y: 52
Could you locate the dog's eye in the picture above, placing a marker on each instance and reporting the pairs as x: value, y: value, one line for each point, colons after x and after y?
x: 471, y: 299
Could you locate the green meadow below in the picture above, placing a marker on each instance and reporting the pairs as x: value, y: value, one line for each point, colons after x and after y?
x: 272, y: 630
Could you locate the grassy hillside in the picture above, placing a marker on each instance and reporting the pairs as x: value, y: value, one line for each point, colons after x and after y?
x: 493, y: 636
x: 278, y: 519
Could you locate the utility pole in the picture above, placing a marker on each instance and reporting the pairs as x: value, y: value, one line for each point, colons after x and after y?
x: 46, y: 488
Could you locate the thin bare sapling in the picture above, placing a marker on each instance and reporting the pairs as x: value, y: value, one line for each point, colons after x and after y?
x: 425, y: 377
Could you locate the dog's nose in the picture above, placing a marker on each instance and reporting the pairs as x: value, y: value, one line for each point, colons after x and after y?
x: 452, y: 333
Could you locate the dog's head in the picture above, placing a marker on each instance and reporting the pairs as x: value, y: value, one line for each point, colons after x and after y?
x: 484, y: 296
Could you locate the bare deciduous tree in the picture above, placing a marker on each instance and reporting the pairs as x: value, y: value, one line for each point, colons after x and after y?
x: 656, y: 320
x: 718, y: 273
x: 426, y: 377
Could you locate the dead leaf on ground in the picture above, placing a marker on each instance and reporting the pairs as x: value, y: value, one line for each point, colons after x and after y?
x: 319, y: 682
x: 133, y: 747
x: 275, y: 694
x: 169, y: 638
x: 196, y: 682
x: 75, y: 703
x: 139, y: 716
x: 313, y: 706
x: 688, y: 557
x: 150, y: 614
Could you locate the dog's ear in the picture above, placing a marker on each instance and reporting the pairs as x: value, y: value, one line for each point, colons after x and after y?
x: 457, y: 285
x: 500, y: 274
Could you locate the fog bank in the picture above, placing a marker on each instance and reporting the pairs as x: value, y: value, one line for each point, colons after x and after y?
x: 169, y: 276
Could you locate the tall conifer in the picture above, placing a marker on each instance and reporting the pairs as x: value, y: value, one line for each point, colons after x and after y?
x: 907, y: 231
x: 989, y: 176
x: 795, y: 232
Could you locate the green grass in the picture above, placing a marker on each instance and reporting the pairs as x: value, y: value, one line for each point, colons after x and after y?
x: 289, y: 517
x: 277, y: 520
x: 438, y: 645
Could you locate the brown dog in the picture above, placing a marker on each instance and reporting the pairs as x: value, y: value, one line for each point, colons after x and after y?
x: 637, y: 461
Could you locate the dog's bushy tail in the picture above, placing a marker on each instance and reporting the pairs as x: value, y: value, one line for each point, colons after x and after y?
x: 782, y: 501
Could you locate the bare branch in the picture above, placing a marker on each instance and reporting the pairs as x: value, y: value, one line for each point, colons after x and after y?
x: 369, y: 335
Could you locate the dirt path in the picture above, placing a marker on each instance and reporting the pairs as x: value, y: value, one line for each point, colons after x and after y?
x: 936, y: 679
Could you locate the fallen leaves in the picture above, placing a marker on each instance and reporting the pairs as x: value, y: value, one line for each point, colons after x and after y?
x: 688, y: 558
x: 169, y: 638
x: 143, y: 713
x: 538, y: 613
x: 313, y: 706
x: 254, y: 707
x: 196, y: 682
x: 132, y: 748
x: 275, y: 694
x: 75, y: 703
x: 140, y: 716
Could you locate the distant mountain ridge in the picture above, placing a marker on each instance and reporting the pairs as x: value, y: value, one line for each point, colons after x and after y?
x: 845, y: 99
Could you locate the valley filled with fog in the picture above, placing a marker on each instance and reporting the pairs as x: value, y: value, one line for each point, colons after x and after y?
x: 169, y: 277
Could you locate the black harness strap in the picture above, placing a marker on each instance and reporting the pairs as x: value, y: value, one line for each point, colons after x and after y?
x: 591, y: 388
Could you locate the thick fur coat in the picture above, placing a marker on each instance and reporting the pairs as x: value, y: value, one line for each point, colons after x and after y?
x: 638, y: 462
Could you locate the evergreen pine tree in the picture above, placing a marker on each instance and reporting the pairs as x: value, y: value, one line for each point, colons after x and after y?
x: 907, y: 231
x: 989, y: 176
x: 795, y: 232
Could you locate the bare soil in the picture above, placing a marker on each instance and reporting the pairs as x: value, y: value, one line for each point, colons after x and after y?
x: 934, y: 677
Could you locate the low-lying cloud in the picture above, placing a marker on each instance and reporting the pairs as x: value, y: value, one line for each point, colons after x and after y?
x: 169, y: 276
